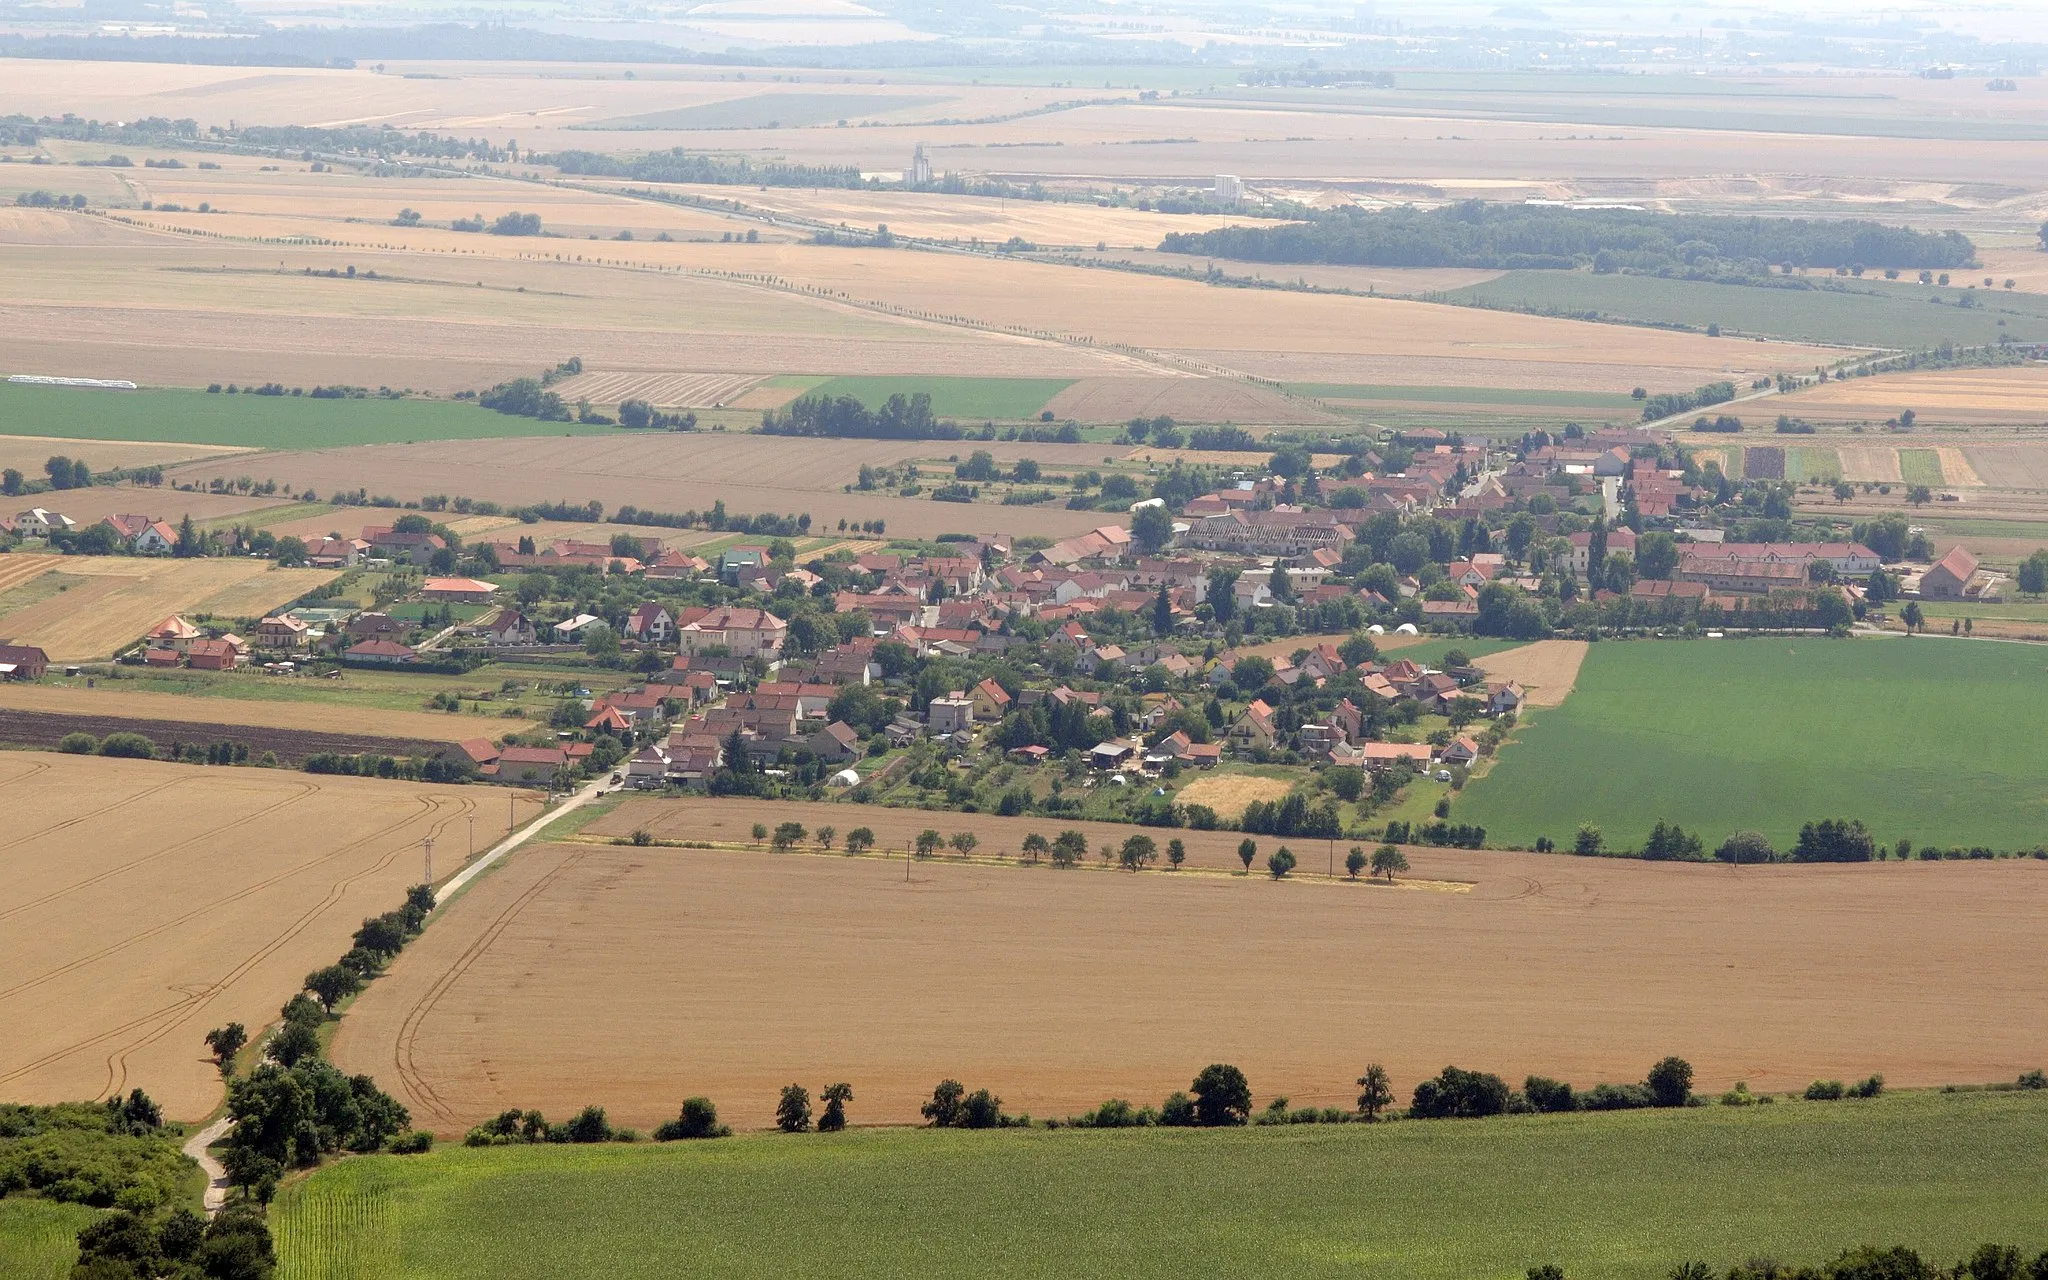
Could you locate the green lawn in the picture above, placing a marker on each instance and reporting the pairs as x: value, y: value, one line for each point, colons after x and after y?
x: 1878, y: 313
x: 260, y: 422
x: 1606, y: 1196
x: 39, y: 1238
x: 1929, y: 739
x: 969, y: 398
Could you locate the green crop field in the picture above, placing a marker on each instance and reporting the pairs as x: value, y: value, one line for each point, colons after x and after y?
x: 39, y: 1238
x: 1605, y: 1196
x: 1920, y: 466
x: 1877, y: 314
x: 250, y: 421
x: 1926, y: 738
x: 1809, y: 464
x: 966, y: 398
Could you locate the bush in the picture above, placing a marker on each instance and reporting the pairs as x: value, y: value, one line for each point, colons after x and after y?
x: 1549, y: 1095
x: 699, y: 1119
x: 78, y: 744
x: 1868, y: 1087
x: 590, y: 1125
x: 1617, y: 1097
x: 1825, y: 1091
x: 127, y: 746
x: 412, y: 1143
x: 1222, y: 1096
x: 1670, y: 1083
x: 1459, y: 1094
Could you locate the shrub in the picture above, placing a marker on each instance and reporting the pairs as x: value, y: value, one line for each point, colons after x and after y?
x: 1617, y: 1097
x: 1459, y: 1094
x: 699, y: 1119
x: 1178, y: 1111
x: 1869, y: 1087
x: 127, y: 746
x: 78, y: 744
x: 2035, y: 1079
x: 1670, y: 1082
x: 1824, y: 1091
x: 590, y: 1126
x: 413, y: 1142
x: 1547, y: 1095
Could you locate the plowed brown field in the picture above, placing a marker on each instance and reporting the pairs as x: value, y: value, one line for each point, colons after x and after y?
x: 150, y: 902
x: 631, y: 977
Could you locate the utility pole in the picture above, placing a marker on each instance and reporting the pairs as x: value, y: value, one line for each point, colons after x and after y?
x: 429, y: 843
x: 472, y: 835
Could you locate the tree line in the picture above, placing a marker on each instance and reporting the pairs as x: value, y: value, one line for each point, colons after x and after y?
x: 678, y: 165
x: 900, y: 418
x: 1474, y: 233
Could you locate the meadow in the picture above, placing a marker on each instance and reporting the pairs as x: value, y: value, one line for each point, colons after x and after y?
x: 252, y: 421
x: 1922, y: 739
x: 39, y: 1238
x: 1876, y: 314
x: 1616, y: 1196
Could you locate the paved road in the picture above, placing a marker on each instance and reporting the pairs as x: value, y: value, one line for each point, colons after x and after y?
x: 216, y: 1175
x: 519, y: 837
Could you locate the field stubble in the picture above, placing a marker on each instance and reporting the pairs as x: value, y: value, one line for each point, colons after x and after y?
x: 150, y: 902
x: 1079, y: 985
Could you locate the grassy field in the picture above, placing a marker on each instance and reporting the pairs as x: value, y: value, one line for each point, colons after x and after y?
x: 956, y: 397
x: 1877, y: 314
x: 39, y: 1238
x: 261, y: 422
x: 1808, y: 464
x: 1604, y: 1196
x: 1918, y: 738
x: 1920, y: 466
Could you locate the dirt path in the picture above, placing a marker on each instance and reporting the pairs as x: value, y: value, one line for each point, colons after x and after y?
x: 1547, y: 669
x: 517, y: 838
x: 216, y: 1174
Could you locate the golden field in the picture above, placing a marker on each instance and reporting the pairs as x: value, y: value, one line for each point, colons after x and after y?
x: 150, y: 902
x: 110, y: 601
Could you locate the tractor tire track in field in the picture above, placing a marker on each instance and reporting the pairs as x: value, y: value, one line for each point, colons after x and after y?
x: 86, y: 817
x: 306, y: 789
x: 167, y: 1015
x: 408, y: 1032
x: 117, y: 1062
x: 36, y: 769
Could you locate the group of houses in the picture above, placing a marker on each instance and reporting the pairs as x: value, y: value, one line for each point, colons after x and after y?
x: 142, y: 535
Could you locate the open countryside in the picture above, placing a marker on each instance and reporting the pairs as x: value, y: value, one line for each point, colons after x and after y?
x: 783, y: 638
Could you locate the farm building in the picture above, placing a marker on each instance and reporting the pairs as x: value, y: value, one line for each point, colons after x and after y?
x: 457, y: 591
x: 1950, y: 577
x: 528, y: 764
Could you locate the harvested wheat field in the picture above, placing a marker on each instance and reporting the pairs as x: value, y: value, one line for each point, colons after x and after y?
x: 254, y: 710
x: 27, y: 454
x: 114, y: 599
x: 1229, y: 793
x: 965, y: 218
x: 1547, y: 669
x: 2012, y: 394
x: 162, y: 503
x: 663, y: 390
x: 150, y: 902
x: 669, y: 471
x: 631, y: 977
x: 1183, y: 399
x: 1876, y: 462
